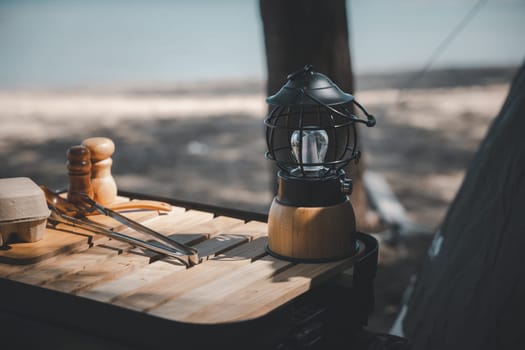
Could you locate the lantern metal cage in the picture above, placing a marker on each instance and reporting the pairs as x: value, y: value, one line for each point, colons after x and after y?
x: 310, y: 101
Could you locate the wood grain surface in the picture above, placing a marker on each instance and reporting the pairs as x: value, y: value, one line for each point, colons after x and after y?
x: 235, y: 280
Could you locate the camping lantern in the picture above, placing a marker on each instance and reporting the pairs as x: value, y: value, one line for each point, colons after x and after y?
x: 311, y: 135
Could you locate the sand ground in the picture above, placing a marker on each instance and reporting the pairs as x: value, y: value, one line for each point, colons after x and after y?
x: 205, y: 143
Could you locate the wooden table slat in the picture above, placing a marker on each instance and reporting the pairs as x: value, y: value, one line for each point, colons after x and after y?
x: 95, y: 273
x: 159, y: 269
x: 252, y: 229
x: 136, y: 215
x: 153, y: 294
x: 263, y: 296
x: 188, y: 229
x: 109, y: 290
x: 7, y: 270
x: 55, y: 242
x: 250, y: 251
x: 215, y: 226
x: 201, y: 294
x: 170, y: 224
x: 67, y: 264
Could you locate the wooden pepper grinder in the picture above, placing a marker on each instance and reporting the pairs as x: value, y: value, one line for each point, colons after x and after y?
x: 79, y: 170
x: 104, y: 186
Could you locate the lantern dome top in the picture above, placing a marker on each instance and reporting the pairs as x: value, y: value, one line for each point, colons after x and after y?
x: 307, y: 87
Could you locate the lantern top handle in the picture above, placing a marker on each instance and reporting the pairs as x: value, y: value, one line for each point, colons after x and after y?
x: 307, y: 87
x: 308, y: 68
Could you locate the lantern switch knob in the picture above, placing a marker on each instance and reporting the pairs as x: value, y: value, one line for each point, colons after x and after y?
x: 346, y: 186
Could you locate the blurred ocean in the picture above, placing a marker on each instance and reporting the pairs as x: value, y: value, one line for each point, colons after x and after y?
x: 61, y: 43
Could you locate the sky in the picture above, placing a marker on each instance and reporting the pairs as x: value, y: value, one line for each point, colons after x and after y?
x: 60, y: 43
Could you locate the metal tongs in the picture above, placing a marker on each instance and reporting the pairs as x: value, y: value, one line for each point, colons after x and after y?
x: 65, y: 212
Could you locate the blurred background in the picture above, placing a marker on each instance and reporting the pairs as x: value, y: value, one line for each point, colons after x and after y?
x: 78, y: 43
x: 180, y: 87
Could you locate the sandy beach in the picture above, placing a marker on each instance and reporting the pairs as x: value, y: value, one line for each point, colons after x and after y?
x: 210, y: 147
x: 204, y: 142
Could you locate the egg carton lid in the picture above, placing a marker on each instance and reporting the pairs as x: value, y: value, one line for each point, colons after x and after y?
x: 21, y: 200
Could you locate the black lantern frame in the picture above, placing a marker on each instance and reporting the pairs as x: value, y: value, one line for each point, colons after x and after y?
x: 311, y: 101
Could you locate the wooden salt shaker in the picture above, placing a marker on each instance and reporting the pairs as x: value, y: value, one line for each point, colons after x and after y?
x: 104, y: 186
x: 79, y: 171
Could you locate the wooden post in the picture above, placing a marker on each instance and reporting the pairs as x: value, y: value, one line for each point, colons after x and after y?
x: 299, y: 32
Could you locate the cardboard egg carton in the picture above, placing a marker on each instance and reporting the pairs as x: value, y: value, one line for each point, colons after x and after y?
x: 23, y: 210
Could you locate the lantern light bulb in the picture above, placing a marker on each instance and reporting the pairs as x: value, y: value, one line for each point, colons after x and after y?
x: 312, y: 147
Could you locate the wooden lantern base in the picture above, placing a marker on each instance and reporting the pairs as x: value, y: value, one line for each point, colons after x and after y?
x: 312, y: 233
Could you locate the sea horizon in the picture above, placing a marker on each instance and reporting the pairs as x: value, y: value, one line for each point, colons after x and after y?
x: 445, y: 77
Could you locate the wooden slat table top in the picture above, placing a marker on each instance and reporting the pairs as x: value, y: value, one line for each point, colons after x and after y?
x: 235, y: 281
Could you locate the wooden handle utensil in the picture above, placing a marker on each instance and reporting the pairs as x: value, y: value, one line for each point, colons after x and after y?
x: 140, y: 204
